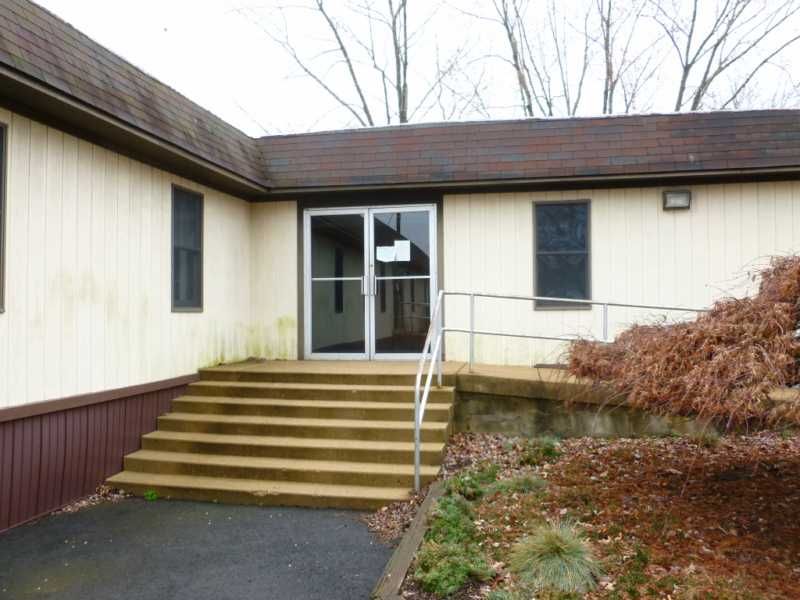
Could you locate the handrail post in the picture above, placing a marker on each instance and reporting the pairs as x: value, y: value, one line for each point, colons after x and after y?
x: 440, y: 326
x: 471, y: 331
x: 605, y: 322
x: 416, y: 439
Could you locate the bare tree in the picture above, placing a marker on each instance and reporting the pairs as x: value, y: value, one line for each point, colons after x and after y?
x: 739, y: 34
x: 628, y: 63
x: 381, y: 66
x: 373, y: 44
x: 550, y: 79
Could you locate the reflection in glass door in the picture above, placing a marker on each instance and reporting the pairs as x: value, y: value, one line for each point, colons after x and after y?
x: 370, y: 278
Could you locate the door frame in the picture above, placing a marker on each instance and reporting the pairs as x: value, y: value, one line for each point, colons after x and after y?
x: 369, y: 281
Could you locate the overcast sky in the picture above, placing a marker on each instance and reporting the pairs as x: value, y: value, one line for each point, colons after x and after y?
x: 219, y: 54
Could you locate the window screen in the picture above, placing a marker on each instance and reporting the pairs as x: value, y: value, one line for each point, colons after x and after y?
x: 187, y: 250
x: 2, y: 216
x: 562, y: 252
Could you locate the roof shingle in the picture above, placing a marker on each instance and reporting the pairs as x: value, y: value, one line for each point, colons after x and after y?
x: 43, y: 48
x: 40, y: 45
x: 532, y: 149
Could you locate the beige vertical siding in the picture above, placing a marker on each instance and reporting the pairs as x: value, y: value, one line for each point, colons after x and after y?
x: 88, y: 299
x: 639, y: 254
x: 273, y: 260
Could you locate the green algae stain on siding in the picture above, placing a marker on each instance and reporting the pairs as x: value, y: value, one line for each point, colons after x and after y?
x: 225, y: 345
x: 287, y: 337
x: 275, y: 340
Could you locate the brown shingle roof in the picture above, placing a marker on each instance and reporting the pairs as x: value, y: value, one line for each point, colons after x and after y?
x: 38, y: 44
x: 532, y: 149
x: 43, y: 48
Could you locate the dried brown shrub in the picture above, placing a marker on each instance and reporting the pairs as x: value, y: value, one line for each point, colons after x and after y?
x: 721, y: 366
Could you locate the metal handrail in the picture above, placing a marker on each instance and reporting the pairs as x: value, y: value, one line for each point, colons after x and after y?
x: 435, y: 354
x: 420, y: 395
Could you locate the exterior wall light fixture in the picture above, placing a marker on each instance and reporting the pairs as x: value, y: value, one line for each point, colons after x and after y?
x: 677, y: 199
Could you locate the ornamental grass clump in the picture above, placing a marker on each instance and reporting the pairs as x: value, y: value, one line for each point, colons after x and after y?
x: 722, y: 366
x: 555, y: 559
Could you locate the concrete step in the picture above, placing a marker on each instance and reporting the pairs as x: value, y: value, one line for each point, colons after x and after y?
x: 277, y: 469
x: 337, y: 376
x: 333, y: 409
x: 431, y: 453
x: 352, y: 429
x: 262, y: 493
x: 316, y: 391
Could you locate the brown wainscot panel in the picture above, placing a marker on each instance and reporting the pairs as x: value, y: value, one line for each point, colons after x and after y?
x: 54, y: 452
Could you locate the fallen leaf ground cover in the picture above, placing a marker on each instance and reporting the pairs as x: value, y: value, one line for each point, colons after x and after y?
x: 688, y: 518
x: 102, y: 494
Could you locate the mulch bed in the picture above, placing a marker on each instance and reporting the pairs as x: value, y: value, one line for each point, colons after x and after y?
x: 676, y: 518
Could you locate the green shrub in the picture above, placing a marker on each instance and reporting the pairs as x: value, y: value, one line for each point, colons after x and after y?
x: 555, y: 559
x: 524, y: 484
x: 472, y: 484
x: 443, y: 569
x: 539, y: 450
x: 150, y: 495
x: 450, y: 555
x: 451, y: 521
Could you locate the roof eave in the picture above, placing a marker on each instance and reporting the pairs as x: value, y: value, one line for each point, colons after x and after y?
x: 41, y: 102
x: 663, y: 178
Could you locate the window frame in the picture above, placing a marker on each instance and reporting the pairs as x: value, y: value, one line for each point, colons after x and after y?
x: 201, y: 198
x: 537, y: 304
x: 3, y: 211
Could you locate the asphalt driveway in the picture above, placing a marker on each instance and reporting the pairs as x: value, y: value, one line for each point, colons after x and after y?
x: 195, y: 551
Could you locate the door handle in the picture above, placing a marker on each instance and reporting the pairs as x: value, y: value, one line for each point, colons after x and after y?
x: 364, y: 285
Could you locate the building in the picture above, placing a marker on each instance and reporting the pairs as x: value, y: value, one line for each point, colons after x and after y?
x: 142, y: 238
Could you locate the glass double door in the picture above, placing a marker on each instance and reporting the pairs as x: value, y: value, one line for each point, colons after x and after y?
x: 370, y: 275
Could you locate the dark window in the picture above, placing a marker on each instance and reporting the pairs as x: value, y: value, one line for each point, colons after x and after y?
x: 2, y: 216
x: 338, y: 285
x: 562, y: 252
x: 187, y: 250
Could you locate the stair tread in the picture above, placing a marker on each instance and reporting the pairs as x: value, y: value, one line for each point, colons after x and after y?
x: 316, y: 386
x: 287, y: 441
x: 308, y: 422
x: 308, y: 403
x: 281, y: 463
x: 257, y: 487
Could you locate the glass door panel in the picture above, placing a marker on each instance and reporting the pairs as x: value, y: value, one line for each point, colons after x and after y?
x: 402, y: 315
x: 338, y: 317
x: 402, y: 269
x: 402, y: 243
x: 338, y: 300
